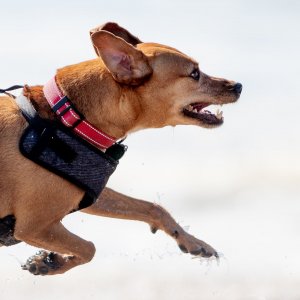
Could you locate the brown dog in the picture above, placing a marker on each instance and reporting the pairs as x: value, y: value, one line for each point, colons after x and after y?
x: 130, y: 86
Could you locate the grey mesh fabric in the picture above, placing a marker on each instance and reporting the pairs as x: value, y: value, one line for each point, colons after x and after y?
x: 62, y: 152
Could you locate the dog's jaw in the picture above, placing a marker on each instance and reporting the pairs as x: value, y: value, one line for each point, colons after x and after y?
x: 199, y: 112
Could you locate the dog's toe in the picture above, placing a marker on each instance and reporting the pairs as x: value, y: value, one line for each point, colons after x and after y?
x: 42, y: 263
x: 32, y: 268
x: 189, y: 244
x: 204, y: 252
x: 201, y: 251
x: 29, y: 267
x: 43, y: 270
x: 183, y: 248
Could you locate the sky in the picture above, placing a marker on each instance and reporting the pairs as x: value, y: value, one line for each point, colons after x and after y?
x: 236, y: 187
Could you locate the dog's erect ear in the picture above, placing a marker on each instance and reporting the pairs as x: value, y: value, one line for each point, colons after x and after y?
x: 119, y: 31
x: 126, y: 63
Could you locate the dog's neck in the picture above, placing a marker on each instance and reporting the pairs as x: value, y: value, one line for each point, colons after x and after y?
x: 95, y: 94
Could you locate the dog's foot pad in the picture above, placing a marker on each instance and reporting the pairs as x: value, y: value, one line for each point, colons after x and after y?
x: 43, y: 263
x: 189, y: 244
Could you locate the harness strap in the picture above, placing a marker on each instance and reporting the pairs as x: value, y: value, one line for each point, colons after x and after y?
x: 25, y: 105
x: 12, y: 88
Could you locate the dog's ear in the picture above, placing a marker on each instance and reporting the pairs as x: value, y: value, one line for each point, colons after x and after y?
x: 119, y: 31
x: 126, y: 63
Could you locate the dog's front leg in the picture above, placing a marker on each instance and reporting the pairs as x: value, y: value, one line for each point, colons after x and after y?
x: 115, y: 205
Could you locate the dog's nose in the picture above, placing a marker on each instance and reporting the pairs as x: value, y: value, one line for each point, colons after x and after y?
x: 238, y: 88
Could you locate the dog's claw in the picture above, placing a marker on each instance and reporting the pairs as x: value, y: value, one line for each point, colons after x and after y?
x: 153, y: 229
x: 24, y: 267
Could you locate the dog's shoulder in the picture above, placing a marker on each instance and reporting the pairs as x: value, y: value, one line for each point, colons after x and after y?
x: 11, y: 120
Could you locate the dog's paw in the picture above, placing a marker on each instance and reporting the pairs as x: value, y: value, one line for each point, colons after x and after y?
x: 44, y: 263
x: 189, y: 244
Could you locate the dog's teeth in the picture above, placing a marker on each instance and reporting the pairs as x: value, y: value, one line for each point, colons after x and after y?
x: 219, y: 114
x: 195, y: 110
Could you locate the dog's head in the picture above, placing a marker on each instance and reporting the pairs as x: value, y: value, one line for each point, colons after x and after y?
x: 170, y: 87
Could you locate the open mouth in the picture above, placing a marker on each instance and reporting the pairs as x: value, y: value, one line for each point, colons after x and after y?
x: 197, y: 111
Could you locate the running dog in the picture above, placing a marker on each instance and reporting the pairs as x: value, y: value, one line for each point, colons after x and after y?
x: 130, y: 86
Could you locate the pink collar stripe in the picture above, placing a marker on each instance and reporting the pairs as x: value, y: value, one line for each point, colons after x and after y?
x: 70, y: 118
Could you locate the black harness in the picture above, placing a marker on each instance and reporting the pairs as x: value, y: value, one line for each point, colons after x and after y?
x: 54, y: 147
x: 62, y: 152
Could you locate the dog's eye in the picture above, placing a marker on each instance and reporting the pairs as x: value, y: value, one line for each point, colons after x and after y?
x: 195, y: 74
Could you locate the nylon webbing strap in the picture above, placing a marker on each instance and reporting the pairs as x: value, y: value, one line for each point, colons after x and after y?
x: 12, y: 88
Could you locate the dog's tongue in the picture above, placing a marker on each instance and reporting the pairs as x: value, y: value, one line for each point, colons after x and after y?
x: 199, y: 106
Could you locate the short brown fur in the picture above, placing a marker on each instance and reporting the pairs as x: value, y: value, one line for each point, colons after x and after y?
x: 147, y: 87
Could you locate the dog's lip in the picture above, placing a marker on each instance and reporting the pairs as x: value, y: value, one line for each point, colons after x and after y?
x: 196, y: 111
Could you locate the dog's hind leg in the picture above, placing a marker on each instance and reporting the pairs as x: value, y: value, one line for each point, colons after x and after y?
x: 115, y: 205
x: 66, y: 250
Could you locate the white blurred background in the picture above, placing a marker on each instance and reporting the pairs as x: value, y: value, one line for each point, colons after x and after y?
x: 236, y: 187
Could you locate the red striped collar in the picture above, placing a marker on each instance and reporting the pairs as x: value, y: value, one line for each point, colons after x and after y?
x: 62, y: 106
